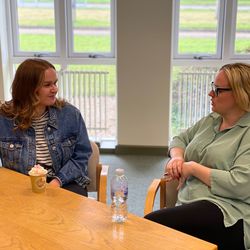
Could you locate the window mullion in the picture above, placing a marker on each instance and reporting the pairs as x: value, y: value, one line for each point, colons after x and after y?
x: 221, y: 29
x: 229, y: 29
x: 113, y: 28
x: 14, y: 26
x: 69, y: 27
x: 61, y: 32
x: 176, y: 23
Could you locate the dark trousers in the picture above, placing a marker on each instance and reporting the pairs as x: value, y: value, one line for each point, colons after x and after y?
x: 73, y: 187
x: 204, y: 220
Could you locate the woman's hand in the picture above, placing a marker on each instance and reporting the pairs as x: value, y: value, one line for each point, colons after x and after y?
x: 192, y: 168
x: 174, y: 167
x: 54, y: 183
x: 187, y: 170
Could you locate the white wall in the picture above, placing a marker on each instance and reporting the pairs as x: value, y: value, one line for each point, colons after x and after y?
x: 143, y: 71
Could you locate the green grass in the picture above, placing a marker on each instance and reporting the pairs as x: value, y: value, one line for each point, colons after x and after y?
x: 242, y: 46
x: 207, y: 46
x: 99, y: 18
x: 102, y: 44
x: 78, y: 1
x: 198, y: 2
x: 208, y: 20
x: 92, y: 43
x: 209, y: 2
x: 47, y: 43
x: 111, y: 69
x: 42, y: 17
x: 37, y: 42
x: 197, y: 45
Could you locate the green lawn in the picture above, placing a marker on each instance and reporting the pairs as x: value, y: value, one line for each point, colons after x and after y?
x: 99, y: 18
x: 78, y: 1
x: 102, y: 44
x: 46, y: 43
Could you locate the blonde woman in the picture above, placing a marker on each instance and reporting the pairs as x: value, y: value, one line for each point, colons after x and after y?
x: 211, y: 160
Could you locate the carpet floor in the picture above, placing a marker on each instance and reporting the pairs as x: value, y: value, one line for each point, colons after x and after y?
x: 140, y: 171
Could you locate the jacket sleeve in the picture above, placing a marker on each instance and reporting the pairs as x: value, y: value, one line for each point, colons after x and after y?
x: 75, y: 169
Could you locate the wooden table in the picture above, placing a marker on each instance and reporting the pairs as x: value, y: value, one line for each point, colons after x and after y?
x: 59, y: 219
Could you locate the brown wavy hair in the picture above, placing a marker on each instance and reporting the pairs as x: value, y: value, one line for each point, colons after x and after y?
x: 238, y: 75
x: 28, y: 80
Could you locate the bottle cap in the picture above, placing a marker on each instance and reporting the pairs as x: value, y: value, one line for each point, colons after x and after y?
x: 119, y: 171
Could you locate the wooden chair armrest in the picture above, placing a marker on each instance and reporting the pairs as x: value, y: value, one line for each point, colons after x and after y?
x: 102, y: 189
x: 150, y: 198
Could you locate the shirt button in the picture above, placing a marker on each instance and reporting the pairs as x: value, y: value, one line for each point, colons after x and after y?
x: 11, y: 145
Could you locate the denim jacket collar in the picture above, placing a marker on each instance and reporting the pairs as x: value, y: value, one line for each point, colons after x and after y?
x: 53, y: 121
x: 52, y: 118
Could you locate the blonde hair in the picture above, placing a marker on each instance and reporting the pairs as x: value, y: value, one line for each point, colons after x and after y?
x: 238, y: 75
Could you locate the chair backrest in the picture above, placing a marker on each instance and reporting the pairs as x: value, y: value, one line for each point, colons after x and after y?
x: 98, y: 174
x: 92, y: 167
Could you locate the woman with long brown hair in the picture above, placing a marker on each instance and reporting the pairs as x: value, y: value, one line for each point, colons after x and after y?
x: 38, y: 128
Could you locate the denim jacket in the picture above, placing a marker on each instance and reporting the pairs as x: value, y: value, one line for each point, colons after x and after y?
x: 67, y: 140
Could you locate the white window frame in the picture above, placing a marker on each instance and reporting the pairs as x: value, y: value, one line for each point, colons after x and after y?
x: 63, y: 28
x: 219, y: 35
x: 227, y: 39
x: 232, y: 53
x: 15, y: 34
x: 96, y: 54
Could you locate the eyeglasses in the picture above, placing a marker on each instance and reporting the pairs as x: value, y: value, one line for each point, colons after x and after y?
x: 217, y: 90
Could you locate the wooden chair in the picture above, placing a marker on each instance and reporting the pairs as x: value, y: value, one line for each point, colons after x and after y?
x: 98, y: 174
x: 168, y: 194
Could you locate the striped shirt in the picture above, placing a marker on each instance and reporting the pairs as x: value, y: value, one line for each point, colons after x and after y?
x: 42, y: 151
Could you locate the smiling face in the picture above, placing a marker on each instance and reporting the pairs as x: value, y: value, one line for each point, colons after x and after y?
x: 47, y: 92
x: 225, y: 102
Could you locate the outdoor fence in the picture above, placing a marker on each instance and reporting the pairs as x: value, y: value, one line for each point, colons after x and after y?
x: 87, y: 90
x: 190, y: 98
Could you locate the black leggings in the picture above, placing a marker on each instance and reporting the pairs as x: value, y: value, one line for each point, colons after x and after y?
x: 204, y: 220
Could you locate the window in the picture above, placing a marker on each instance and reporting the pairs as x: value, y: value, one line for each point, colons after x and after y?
x: 241, y: 35
x: 90, y: 26
x: 33, y: 27
x: 207, y: 34
x: 63, y: 28
x: 198, y: 27
x: 78, y: 37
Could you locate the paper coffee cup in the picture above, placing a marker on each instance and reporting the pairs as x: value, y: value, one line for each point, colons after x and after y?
x: 38, y: 183
x: 38, y: 178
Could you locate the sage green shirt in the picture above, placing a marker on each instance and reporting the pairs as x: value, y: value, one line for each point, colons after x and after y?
x: 227, y: 153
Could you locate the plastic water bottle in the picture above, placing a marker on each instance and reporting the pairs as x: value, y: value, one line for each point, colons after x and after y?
x: 119, y: 195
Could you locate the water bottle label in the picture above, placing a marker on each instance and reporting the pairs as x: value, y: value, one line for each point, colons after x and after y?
x: 123, y: 193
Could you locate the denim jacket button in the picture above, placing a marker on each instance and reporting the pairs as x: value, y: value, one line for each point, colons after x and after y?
x: 49, y: 128
x: 11, y: 145
x: 54, y: 148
